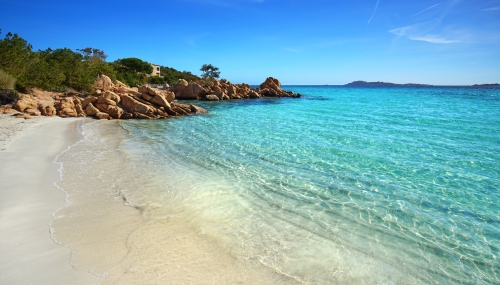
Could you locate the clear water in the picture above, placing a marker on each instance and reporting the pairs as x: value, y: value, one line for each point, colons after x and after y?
x: 342, y: 186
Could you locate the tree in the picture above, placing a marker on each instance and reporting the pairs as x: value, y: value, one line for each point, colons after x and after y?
x: 16, y: 55
x: 136, y: 65
x: 209, y: 71
x: 89, y: 52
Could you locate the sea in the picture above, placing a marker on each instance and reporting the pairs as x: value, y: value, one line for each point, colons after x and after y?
x: 345, y: 185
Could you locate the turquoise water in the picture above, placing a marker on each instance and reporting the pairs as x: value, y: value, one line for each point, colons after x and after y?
x: 342, y: 186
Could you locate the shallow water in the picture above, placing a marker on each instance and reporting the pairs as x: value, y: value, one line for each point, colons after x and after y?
x: 342, y: 186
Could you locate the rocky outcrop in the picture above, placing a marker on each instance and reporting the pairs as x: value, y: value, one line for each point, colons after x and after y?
x: 225, y: 90
x: 119, y: 101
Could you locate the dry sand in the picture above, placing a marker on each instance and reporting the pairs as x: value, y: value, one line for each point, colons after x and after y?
x: 28, y: 198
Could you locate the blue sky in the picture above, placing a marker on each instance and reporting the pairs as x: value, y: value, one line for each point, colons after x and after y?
x: 454, y: 42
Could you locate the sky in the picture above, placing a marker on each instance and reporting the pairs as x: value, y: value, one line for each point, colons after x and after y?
x: 450, y: 42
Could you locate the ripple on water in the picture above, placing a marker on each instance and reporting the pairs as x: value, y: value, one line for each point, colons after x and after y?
x: 344, y: 186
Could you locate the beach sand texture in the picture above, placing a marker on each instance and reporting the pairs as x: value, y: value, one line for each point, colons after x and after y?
x: 88, y: 235
x: 28, y: 198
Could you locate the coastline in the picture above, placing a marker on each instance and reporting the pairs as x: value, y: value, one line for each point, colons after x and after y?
x: 64, y: 231
x: 28, y: 198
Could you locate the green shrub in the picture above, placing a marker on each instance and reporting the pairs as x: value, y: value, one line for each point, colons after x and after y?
x: 8, y: 96
x: 156, y: 80
x: 7, y: 81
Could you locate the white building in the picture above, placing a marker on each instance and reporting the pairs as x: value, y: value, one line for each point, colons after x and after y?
x: 156, y: 69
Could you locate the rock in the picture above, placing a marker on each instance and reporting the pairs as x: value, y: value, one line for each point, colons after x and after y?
x: 22, y: 116
x: 143, y: 89
x: 119, y: 84
x: 115, y: 112
x: 26, y: 102
x: 147, y: 97
x: 66, y: 108
x: 216, y: 90
x: 212, y: 97
x: 182, y: 82
x: 32, y: 112
x: 142, y: 116
x: 89, y: 99
x: 268, y: 92
x: 79, y: 110
x: 263, y: 91
x: 102, y: 116
x: 91, y: 110
x: 179, y: 110
x: 197, y: 89
x: 103, y: 83
x: 168, y: 95
x: 103, y: 100
x: 102, y: 107
x: 8, y: 110
x: 77, y: 100
x: 171, y: 112
x: 185, y: 107
x: 112, y: 96
x: 126, y: 116
x: 161, y: 101
x: 122, y: 88
x: 252, y: 94
x: 197, y: 110
x: 153, y: 91
x: 188, y: 92
x: 47, y: 109
x: 271, y: 83
x: 231, y: 90
x: 133, y: 106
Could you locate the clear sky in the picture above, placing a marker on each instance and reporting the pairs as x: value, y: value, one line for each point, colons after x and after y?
x: 450, y: 42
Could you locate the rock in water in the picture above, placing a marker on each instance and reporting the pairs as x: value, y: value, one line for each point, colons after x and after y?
x: 212, y: 97
x: 197, y: 110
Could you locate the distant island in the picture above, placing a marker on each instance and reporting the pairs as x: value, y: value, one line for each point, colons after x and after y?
x: 494, y: 85
x: 360, y: 83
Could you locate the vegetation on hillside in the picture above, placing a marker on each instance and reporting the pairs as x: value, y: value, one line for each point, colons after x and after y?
x: 171, y: 75
x: 62, y: 69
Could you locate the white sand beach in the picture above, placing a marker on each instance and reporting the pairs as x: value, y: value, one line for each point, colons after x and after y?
x: 28, y: 198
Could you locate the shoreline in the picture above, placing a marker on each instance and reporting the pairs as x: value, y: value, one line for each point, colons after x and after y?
x: 28, y: 199
x: 86, y: 233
